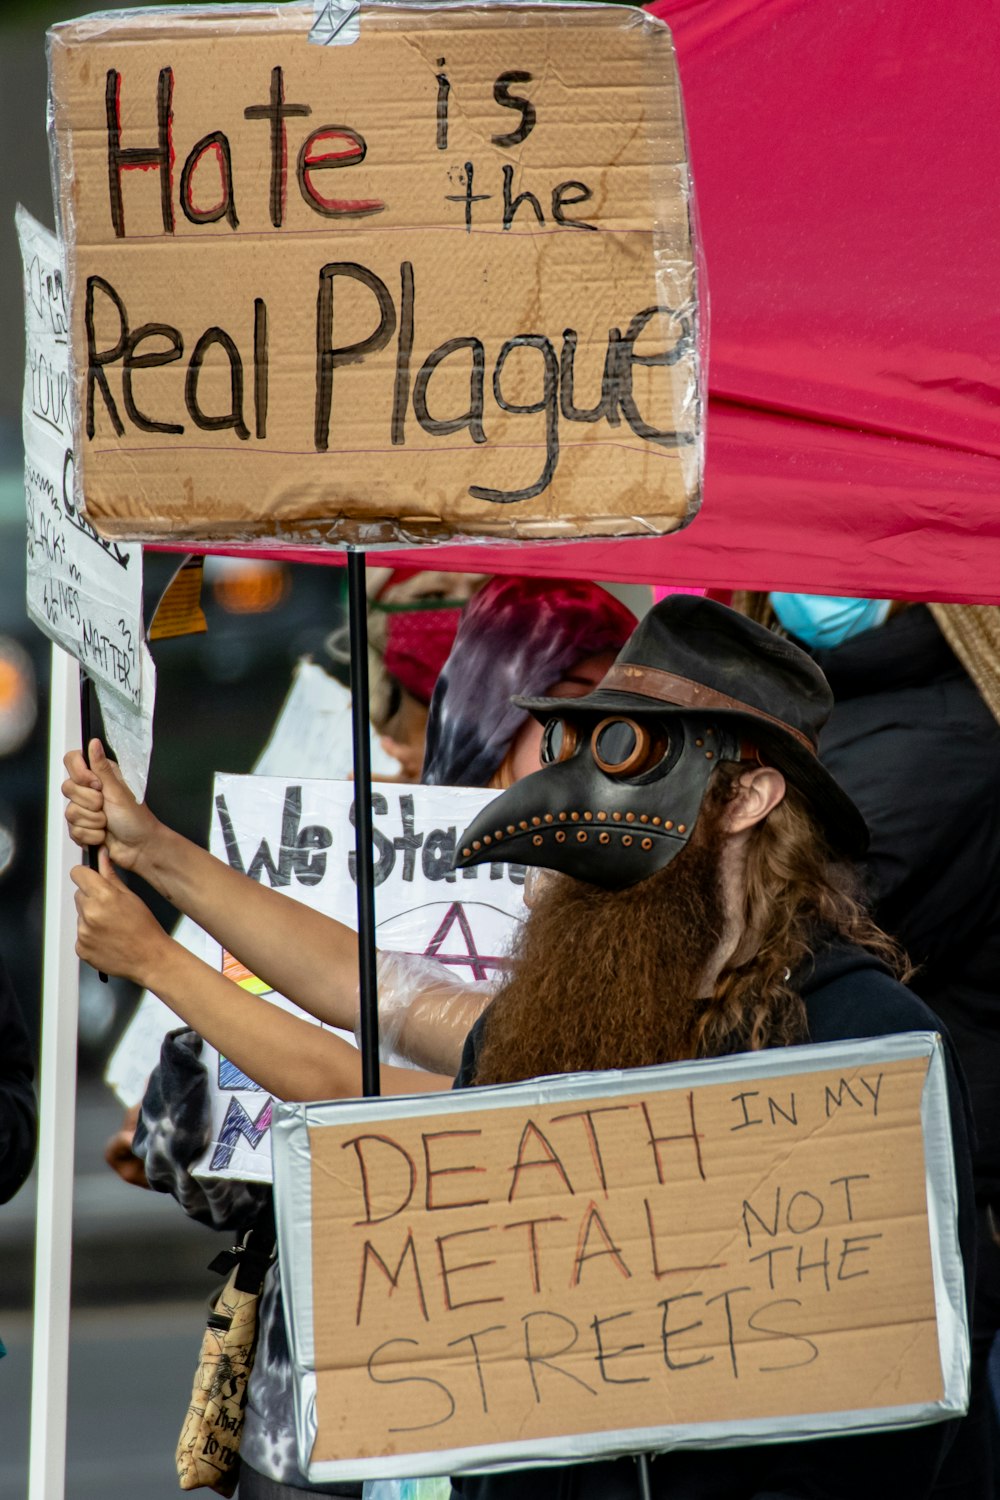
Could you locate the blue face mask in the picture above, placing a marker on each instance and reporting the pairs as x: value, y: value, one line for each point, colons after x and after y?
x: 818, y: 620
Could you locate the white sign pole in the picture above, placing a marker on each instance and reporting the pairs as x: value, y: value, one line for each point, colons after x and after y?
x: 57, y: 1126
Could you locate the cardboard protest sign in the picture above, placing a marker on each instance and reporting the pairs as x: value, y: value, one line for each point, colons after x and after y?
x: 715, y: 1252
x: 84, y: 593
x: 436, y: 282
x: 299, y: 837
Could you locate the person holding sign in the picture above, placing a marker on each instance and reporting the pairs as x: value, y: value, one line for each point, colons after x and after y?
x: 546, y: 634
x: 298, y: 951
x: 710, y: 908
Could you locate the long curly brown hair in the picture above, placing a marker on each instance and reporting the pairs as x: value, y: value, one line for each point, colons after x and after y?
x: 619, y: 978
x: 797, y: 893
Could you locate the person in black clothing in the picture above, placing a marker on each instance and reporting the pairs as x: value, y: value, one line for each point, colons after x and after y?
x: 18, y: 1113
x: 915, y: 741
x: 735, y: 928
x: 711, y: 909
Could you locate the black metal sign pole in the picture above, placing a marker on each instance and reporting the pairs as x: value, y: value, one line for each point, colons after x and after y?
x: 357, y: 614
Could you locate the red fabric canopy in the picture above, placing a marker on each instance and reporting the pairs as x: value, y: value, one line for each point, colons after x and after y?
x: 845, y: 158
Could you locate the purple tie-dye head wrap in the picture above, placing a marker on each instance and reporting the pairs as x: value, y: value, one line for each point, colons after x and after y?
x: 518, y: 635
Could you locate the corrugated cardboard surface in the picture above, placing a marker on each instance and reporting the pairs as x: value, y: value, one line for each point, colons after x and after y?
x: 607, y: 109
x: 774, y: 1276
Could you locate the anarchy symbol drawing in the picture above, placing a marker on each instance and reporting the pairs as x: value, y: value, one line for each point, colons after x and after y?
x: 453, y: 941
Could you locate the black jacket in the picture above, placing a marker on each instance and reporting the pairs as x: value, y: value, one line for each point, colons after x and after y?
x: 911, y: 741
x: 847, y: 994
x: 18, y: 1114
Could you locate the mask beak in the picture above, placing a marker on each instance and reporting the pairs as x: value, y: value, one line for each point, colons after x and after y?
x: 543, y: 821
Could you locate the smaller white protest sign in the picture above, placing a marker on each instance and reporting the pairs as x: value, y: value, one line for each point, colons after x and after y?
x: 299, y: 837
x: 312, y: 735
x: 83, y: 592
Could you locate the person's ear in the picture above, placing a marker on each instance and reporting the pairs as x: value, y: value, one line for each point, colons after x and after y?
x: 758, y: 792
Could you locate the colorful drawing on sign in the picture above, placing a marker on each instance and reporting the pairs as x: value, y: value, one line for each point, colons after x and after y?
x: 237, y: 1124
x: 298, y: 836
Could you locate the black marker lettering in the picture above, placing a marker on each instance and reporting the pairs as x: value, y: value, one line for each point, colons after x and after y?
x: 276, y: 111
x: 444, y: 89
x: 96, y: 360
x: 410, y: 1380
x: 607, y: 407
x: 468, y: 197
x: 666, y: 1334
x: 853, y: 1177
x: 682, y: 346
x: 533, y: 1358
x: 603, y: 1356
x: 472, y: 417
x: 511, y: 205
x: 470, y: 1338
x: 125, y: 159
x: 260, y: 366
x: 724, y: 1298
x: 562, y: 196
x: 503, y: 96
x: 548, y: 402
x: 234, y: 416
x: 152, y: 360
x: 404, y: 349
x: 330, y: 358
x: 344, y: 147
x: 226, y: 206
x: 753, y: 1321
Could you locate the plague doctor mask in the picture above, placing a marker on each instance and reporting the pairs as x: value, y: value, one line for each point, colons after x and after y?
x: 625, y: 769
x: 617, y: 797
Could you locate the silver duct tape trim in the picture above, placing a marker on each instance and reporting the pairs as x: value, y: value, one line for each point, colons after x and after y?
x: 293, y: 1209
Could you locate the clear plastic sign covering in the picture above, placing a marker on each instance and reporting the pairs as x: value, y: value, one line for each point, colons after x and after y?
x: 436, y: 281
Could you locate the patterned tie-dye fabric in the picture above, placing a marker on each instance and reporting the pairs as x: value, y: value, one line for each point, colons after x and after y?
x: 518, y: 635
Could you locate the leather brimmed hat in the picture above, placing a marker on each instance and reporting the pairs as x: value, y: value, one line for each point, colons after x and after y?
x: 691, y: 654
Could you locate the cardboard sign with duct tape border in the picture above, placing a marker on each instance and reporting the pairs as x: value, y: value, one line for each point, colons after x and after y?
x: 437, y: 282
x: 722, y: 1252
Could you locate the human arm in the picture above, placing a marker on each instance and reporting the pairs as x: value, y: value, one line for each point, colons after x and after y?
x: 286, y: 1055
x: 425, y: 1011
x: 305, y: 955
x: 296, y: 950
